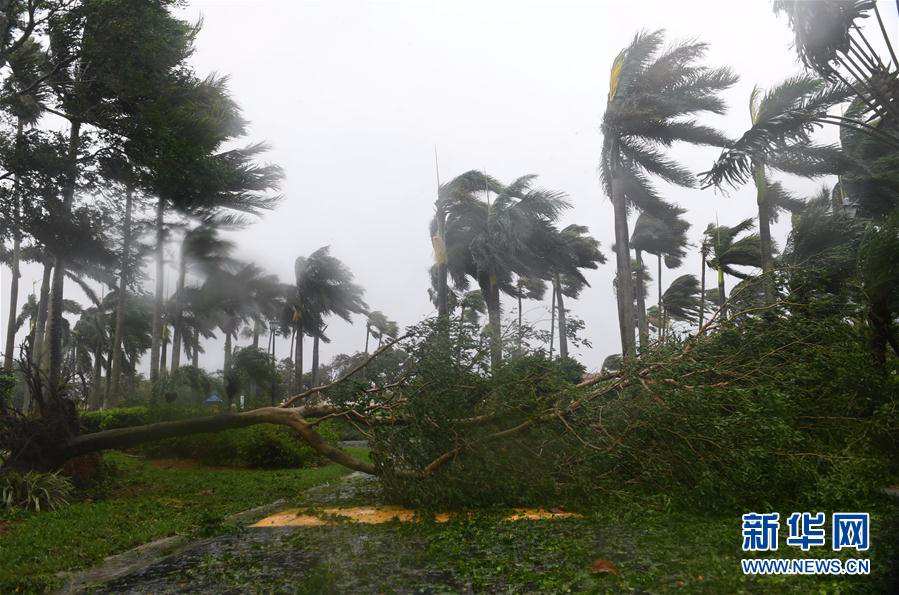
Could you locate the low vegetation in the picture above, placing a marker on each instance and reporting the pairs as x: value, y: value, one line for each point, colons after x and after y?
x: 135, y: 502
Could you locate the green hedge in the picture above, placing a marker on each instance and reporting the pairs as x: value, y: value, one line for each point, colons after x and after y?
x: 263, y: 446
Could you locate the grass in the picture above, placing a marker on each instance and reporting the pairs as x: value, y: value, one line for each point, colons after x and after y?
x: 653, y: 548
x: 654, y: 551
x: 138, y: 503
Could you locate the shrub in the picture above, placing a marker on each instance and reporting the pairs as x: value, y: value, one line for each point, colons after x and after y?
x: 34, y: 491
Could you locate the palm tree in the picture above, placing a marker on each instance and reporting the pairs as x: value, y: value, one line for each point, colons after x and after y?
x: 204, y: 251
x: 377, y: 325
x: 324, y: 287
x: 196, y: 177
x: 461, y: 189
x: 830, y: 41
x: 783, y: 116
x: 494, y: 242
x: 23, y: 99
x: 728, y: 249
x: 681, y: 301
x: 577, y: 250
x: 527, y: 288
x: 236, y: 297
x: 664, y: 236
x: 651, y: 92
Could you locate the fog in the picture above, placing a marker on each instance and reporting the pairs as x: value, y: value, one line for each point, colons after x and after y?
x: 354, y: 98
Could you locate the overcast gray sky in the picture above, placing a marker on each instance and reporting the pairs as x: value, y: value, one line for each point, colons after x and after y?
x: 354, y: 96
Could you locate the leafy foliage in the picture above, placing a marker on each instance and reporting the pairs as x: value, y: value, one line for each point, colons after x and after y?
x: 34, y: 490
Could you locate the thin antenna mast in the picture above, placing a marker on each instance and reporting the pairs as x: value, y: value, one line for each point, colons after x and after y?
x: 437, y: 167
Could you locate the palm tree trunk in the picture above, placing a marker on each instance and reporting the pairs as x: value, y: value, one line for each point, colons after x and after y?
x: 94, y: 397
x: 623, y: 262
x: 275, y: 364
x: 255, y: 334
x: 158, y: 301
x: 226, y: 366
x: 196, y: 353
x: 113, y: 395
x: 367, y: 335
x: 107, y: 367
x: 552, y: 321
x: 721, y: 307
x: 702, y: 288
x: 163, y: 349
x: 314, y: 360
x: 641, y: 303
x: 520, y: 330
x: 493, y: 311
x: 440, y: 256
x: 43, y: 303
x: 179, y: 307
x: 461, y: 330
x: 54, y: 318
x: 764, y: 232
x: 563, y: 330
x: 298, y: 363
x: 14, y: 265
x: 659, y: 279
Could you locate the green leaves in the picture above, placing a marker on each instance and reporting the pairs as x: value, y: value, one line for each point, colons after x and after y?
x: 782, y: 120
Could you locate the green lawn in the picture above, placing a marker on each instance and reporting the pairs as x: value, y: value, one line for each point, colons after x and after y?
x: 138, y: 503
x: 653, y: 549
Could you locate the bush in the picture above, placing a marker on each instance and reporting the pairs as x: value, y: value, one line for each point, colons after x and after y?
x: 34, y: 491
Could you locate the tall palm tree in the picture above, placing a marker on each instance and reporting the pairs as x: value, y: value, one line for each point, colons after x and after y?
x: 788, y: 109
x: 324, y: 287
x: 681, y: 301
x: 492, y: 242
x: 729, y: 249
x: 236, y: 296
x: 577, y: 250
x: 461, y: 189
x: 23, y: 99
x: 196, y: 176
x: 652, y: 92
x: 377, y: 325
x: 664, y: 236
x: 527, y: 288
x: 203, y: 251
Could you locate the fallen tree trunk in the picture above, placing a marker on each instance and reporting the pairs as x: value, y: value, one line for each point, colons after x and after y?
x: 293, y: 417
x: 38, y: 444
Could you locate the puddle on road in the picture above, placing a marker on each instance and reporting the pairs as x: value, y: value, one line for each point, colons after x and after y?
x: 374, y: 515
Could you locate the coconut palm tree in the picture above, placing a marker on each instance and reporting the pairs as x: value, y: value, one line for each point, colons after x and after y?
x: 728, y: 249
x: 527, y: 288
x: 681, y: 301
x: 235, y: 297
x: 23, y: 99
x: 788, y: 108
x: 324, y: 287
x: 576, y: 250
x: 463, y: 188
x: 492, y: 242
x: 203, y: 251
x: 665, y: 237
x: 195, y: 176
x: 652, y: 94
x: 377, y: 325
